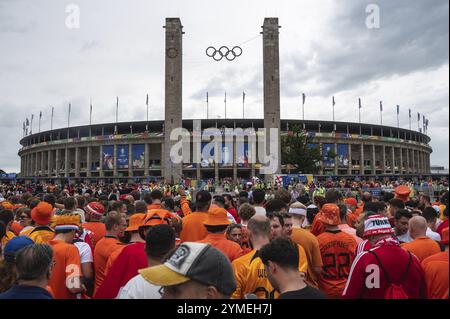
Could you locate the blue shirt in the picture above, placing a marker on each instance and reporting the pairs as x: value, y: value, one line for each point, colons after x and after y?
x: 26, y: 292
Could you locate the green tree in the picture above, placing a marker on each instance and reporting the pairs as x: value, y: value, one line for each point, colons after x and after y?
x: 296, y: 154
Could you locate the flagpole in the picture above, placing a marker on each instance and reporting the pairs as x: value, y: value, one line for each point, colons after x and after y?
x: 243, y: 105
x: 333, y: 107
x: 40, y: 117
x: 51, y: 122
x: 410, y: 119
x: 117, y: 114
x: 225, y: 104
x: 303, y: 106
x: 146, y: 124
x: 90, y: 111
x: 381, y: 113
x: 207, y: 105
x: 398, y: 116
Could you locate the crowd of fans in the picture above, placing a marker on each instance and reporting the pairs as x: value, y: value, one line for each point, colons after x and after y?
x: 336, y: 239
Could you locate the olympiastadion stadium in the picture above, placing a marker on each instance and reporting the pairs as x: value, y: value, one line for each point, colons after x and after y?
x: 140, y: 151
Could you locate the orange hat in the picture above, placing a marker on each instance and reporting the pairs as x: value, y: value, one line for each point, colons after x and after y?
x: 67, y: 222
x: 351, y: 201
x: 329, y: 215
x: 42, y: 213
x: 156, y: 217
x: 402, y: 192
x: 217, y: 217
x: 136, y: 221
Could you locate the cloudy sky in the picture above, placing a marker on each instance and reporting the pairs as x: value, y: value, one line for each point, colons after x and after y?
x: 326, y: 49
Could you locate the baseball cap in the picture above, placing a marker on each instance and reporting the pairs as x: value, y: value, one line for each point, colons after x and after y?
x: 329, y: 215
x: 14, y: 245
x: 203, y: 196
x: 194, y: 261
x: 377, y: 225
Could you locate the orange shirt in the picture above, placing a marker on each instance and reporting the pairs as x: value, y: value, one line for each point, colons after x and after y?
x: 98, y: 230
x: 240, y: 270
x: 435, y: 268
x: 310, y: 244
x: 422, y: 247
x: 193, y: 227
x: 102, y: 251
x: 230, y: 249
x: 112, y: 258
x: 338, y: 252
x: 66, y: 260
x: 153, y: 206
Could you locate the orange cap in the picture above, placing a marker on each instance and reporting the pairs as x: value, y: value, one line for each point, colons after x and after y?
x: 136, y: 221
x: 217, y: 217
x: 330, y: 215
x: 156, y: 217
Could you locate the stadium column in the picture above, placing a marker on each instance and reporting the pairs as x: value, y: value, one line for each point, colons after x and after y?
x: 362, y: 159
x: 66, y: 163
x: 173, y: 94
x: 163, y: 164
x: 42, y: 163
x: 89, y: 161
x: 401, y: 160
x: 336, y: 162
x: 413, y: 157
x: 130, y: 161
x: 146, y: 159
x: 271, y: 71
x: 349, y: 169
x: 77, y: 162
x: 408, y: 163
x: 115, y: 171
x: 234, y: 158
x: 57, y: 160
x: 101, y: 173
x: 49, y: 163
x: 374, y: 161
x: 393, y: 159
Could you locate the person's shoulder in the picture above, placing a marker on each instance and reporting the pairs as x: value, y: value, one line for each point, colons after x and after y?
x: 438, y: 257
x: 244, y: 260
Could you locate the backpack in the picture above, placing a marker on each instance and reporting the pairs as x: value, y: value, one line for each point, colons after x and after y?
x: 394, y: 291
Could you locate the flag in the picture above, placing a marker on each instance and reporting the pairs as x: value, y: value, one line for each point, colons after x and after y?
x: 225, y: 97
x: 40, y: 114
x: 359, y: 101
x: 334, y: 102
x: 27, y: 122
x: 304, y: 98
x: 69, y: 108
x: 409, y: 113
x: 207, y: 97
x: 398, y: 109
x: 381, y: 106
x: 418, y: 116
x: 243, y: 97
x: 146, y: 101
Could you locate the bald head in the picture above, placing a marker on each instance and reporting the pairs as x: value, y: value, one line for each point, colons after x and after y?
x: 417, y: 227
x: 259, y: 226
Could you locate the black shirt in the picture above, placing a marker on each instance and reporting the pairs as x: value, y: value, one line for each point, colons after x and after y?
x: 26, y: 292
x: 305, y: 293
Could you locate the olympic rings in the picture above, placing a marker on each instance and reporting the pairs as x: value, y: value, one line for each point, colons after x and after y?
x: 224, y: 52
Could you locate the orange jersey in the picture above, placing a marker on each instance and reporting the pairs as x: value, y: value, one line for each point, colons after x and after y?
x: 112, y: 258
x: 193, y: 227
x: 230, y: 249
x: 256, y: 281
x: 310, y: 244
x: 97, y: 229
x: 16, y: 228
x: 422, y: 247
x: 240, y: 270
x: 435, y: 268
x: 66, y: 260
x: 102, y: 251
x: 338, y: 252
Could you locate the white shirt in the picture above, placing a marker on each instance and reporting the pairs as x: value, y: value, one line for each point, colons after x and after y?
x: 433, y: 235
x: 85, y: 252
x: 260, y: 211
x: 139, y: 288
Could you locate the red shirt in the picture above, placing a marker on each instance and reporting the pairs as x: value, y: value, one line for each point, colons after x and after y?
x: 441, y: 227
x: 362, y: 247
x: 395, y: 261
x: 234, y: 213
